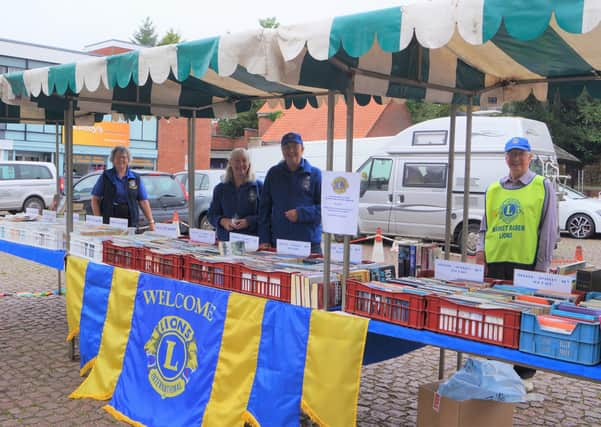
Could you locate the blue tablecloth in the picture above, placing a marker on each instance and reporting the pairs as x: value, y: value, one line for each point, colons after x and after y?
x: 49, y: 257
x: 421, y: 337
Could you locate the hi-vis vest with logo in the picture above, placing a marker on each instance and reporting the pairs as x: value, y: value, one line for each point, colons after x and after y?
x: 512, y: 221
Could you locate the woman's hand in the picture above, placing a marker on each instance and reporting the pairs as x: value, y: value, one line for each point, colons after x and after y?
x: 151, y: 225
x: 240, y: 224
x: 227, y: 223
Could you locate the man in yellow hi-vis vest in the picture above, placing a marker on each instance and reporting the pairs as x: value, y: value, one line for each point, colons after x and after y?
x: 519, y: 228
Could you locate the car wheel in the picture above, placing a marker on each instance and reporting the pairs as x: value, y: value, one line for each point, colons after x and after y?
x: 580, y: 226
x: 33, y: 202
x: 473, y: 229
x: 204, y: 224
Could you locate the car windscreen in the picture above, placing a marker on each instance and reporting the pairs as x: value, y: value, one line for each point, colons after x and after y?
x: 570, y: 193
x: 162, y: 186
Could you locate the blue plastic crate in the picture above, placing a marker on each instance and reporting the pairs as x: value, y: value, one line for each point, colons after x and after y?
x: 582, y: 346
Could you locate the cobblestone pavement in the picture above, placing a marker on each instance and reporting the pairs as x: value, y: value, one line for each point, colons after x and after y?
x: 36, y: 374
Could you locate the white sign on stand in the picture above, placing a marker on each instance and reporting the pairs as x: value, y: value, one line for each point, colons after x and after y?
x: 168, y: 230
x: 454, y: 270
x: 251, y: 243
x: 293, y: 247
x: 48, y: 215
x: 120, y: 223
x: 543, y: 281
x: 202, y: 236
x: 337, y: 253
x: 340, y: 202
x: 93, y: 219
x: 32, y: 211
x: 76, y: 217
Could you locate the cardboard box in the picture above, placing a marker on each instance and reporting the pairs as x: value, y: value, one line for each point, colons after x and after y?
x: 455, y: 413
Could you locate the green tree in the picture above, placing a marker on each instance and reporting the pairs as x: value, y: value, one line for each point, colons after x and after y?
x: 146, y: 34
x: 270, y: 22
x: 422, y: 110
x: 170, y: 37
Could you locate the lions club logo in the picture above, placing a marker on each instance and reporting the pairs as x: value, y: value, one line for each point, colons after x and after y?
x: 171, y: 354
x: 132, y: 184
x: 509, y: 210
x: 306, y: 183
x: 252, y: 196
x: 339, y: 185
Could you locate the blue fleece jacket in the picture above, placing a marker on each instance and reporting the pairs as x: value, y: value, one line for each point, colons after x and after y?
x: 229, y: 201
x: 284, y: 190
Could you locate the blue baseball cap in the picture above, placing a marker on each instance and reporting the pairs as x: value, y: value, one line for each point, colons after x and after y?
x: 292, y: 137
x: 517, y: 143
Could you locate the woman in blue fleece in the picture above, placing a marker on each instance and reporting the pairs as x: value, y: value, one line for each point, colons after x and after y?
x: 290, y: 205
x: 235, y: 203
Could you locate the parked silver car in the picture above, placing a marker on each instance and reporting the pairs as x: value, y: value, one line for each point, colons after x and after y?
x: 26, y: 185
x: 205, y: 181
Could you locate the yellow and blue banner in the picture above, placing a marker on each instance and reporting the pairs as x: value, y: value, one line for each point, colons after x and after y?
x: 177, y: 354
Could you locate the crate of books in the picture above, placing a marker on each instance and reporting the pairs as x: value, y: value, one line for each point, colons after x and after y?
x: 479, y: 321
x: 402, y: 305
x: 86, y: 247
x: 308, y: 290
x: 165, y: 262
x: 120, y: 254
x: 559, y: 337
x: 207, y: 271
x: 273, y: 284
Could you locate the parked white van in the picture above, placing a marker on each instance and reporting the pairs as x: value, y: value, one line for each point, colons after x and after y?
x: 26, y: 185
x: 404, y: 177
x: 403, y: 188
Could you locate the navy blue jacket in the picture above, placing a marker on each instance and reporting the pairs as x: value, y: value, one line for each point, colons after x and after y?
x: 113, y: 190
x: 284, y: 190
x: 229, y: 201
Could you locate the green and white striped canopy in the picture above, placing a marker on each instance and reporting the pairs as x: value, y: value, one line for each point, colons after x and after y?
x: 438, y: 50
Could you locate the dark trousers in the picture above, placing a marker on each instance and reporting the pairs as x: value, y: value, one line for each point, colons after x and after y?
x: 504, y: 271
x: 121, y: 210
x: 316, y: 249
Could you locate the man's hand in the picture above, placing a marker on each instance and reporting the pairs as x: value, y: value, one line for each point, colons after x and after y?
x: 151, y: 226
x: 480, y: 258
x: 291, y: 215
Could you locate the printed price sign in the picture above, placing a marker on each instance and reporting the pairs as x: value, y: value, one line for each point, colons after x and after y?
x: 32, y: 211
x: 93, y: 219
x: 337, y: 253
x: 543, y: 281
x: 454, y: 270
x: 167, y: 230
x: 251, y: 243
x: 202, y: 236
x: 293, y: 247
x: 120, y: 223
x: 49, y: 216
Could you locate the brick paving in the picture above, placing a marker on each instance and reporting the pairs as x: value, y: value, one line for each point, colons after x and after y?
x: 36, y: 374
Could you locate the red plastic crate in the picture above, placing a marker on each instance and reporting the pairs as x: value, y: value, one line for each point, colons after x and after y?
x: 267, y: 284
x: 121, y: 256
x: 490, y: 325
x: 205, y: 272
x: 401, y: 308
x: 167, y: 265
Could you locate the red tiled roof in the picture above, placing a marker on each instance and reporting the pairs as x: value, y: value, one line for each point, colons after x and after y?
x: 311, y: 122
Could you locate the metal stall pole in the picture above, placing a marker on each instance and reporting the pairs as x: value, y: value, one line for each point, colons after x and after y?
x: 447, y: 242
x: 68, y: 161
x: 327, y: 254
x: 466, y: 193
x: 58, y: 187
x: 350, y: 107
x: 191, y: 169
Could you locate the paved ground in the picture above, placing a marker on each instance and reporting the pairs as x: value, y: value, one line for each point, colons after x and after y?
x: 36, y: 375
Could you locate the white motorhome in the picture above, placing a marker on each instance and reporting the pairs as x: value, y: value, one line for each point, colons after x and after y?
x: 404, y: 177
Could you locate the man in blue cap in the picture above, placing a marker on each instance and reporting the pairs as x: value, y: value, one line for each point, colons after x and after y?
x: 290, y: 205
x: 519, y: 228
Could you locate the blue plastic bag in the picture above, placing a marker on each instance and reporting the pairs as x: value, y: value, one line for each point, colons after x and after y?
x: 486, y: 380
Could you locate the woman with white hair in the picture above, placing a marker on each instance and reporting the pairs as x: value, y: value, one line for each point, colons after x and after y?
x: 235, y: 203
x: 119, y: 190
